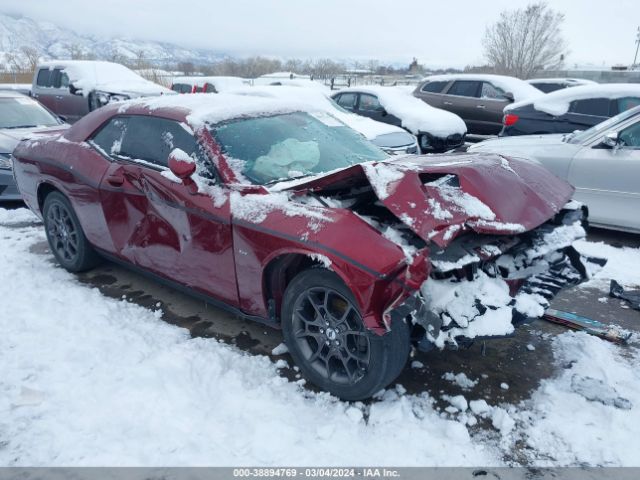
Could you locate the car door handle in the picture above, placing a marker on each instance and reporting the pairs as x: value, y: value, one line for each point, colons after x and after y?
x: 447, y: 103
x: 480, y: 106
x: 116, y: 179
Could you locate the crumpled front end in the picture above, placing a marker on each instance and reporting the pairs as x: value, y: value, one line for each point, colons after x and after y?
x: 485, y: 286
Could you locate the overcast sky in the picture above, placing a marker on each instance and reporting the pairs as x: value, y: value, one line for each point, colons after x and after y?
x: 438, y: 33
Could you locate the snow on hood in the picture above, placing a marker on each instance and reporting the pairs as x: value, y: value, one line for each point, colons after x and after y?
x: 318, y: 100
x: 442, y: 196
x: 108, y: 77
x: 538, y: 141
x: 557, y: 103
x: 415, y: 115
x: 520, y: 89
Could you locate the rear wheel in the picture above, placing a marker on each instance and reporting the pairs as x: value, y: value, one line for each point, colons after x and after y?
x: 327, y: 339
x: 64, y: 233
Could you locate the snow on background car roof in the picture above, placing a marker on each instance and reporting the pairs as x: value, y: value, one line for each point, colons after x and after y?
x: 575, y: 81
x: 414, y: 114
x: 111, y: 77
x: 557, y: 103
x: 318, y: 100
x: 221, y: 84
x: 520, y: 89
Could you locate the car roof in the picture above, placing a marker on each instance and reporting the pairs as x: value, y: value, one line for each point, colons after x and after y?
x: 197, y: 110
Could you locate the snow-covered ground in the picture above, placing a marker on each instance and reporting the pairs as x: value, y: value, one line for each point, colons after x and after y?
x: 90, y: 380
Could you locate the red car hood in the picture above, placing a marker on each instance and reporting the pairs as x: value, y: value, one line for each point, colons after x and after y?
x: 439, y: 197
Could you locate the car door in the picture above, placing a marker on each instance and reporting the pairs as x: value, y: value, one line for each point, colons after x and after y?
x: 43, y: 89
x: 431, y: 93
x: 347, y: 100
x: 490, y: 107
x: 71, y: 107
x: 369, y: 106
x: 607, y: 179
x: 462, y: 98
x: 162, y: 224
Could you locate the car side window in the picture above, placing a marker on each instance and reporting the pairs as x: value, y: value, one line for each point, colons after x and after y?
x: 109, y: 137
x: 369, y: 103
x: 591, y: 106
x: 347, y: 100
x: 151, y: 139
x: 626, y: 103
x: 491, y: 91
x: 44, y: 77
x: 630, y: 136
x: 59, y: 79
x: 434, y: 87
x: 465, y: 88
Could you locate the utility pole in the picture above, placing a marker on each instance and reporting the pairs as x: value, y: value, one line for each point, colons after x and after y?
x: 637, y: 47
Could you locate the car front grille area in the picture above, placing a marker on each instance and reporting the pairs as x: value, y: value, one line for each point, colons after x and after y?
x: 440, y: 144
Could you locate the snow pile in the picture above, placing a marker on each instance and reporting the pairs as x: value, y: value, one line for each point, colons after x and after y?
x: 466, y: 203
x: 617, y: 267
x: 89, y: 381
x: 106, y: 76
x: 461, y: 380
x: 590, y: 412
x: 520, y: 89
x: 19, y: 215
x: 415, y: 115
x: 557, y: 103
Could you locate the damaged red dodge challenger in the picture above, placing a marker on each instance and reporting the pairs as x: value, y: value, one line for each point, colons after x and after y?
x: 286, y: 216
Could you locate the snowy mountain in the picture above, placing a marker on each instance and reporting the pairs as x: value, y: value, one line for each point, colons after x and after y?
x: 52, y: 41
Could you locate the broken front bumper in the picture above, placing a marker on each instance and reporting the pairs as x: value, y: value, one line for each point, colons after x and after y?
x: 485, y: 286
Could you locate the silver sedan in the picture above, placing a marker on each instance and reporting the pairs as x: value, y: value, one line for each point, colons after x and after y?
x: 602, y: 163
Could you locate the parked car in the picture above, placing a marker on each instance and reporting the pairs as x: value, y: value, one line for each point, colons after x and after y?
x: 20, y: 116
x: 73, y: 88
x: 603, y: 163
x: 437, y: 130
x: 264, y: 209
x: 393, y: 140
x: 206, y: 84
x: 548, y: 85
x: 478, y: 99
x: 570, y: 109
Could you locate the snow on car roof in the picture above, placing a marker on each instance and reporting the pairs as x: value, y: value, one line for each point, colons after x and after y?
x: 576, y: 81
x: 520, y: 89
x: 319, y: 101
x: 220, y: 83
x: 415, y: 115
x: 203, y: 108
x: 91, y: 75
x: 557, y: 103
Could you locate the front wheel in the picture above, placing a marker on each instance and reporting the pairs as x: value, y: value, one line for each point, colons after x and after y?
x: 65, y: 236
x: 327, y: 339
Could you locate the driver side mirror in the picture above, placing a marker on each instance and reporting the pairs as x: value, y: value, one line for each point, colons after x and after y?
x: 181, y: 165
x: 611, y: 140
x: 509, y: 96
x: 384, y: 112
x: 73, y: 90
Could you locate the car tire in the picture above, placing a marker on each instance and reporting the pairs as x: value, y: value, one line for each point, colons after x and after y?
x: 325, y: 335
x: 66, y: 238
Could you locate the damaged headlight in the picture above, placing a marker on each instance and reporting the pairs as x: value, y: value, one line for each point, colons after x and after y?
x: 5, y: 161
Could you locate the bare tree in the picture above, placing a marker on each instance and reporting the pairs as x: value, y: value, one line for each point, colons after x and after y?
x: 524, y: 41
x: 31, y: 55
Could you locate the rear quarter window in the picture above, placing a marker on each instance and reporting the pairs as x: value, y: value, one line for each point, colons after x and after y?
x: 591, y: 106
x: 434, y: 87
